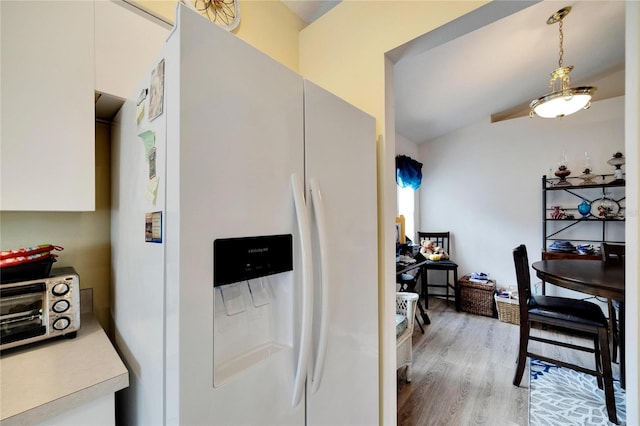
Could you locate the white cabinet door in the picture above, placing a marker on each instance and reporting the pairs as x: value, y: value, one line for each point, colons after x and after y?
x: 126, y: 43
x: 99, y: 412
x: 47, y: 151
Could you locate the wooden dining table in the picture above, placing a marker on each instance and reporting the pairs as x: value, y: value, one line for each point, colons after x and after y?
x: 586, y: 276
x: 592, y: 277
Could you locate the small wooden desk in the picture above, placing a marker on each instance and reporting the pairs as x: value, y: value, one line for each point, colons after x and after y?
x: 590, y: 277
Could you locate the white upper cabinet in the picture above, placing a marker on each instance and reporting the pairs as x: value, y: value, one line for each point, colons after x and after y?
x: 126, y: 41
x: 47, y: 153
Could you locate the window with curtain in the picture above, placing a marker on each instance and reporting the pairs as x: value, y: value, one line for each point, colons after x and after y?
x: 408, y: 172
x: 408, y: 178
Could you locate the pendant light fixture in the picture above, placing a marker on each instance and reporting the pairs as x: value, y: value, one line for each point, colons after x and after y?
x: 565, y: 100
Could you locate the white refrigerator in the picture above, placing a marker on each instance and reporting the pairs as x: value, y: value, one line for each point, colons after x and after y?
x: 244, y: 242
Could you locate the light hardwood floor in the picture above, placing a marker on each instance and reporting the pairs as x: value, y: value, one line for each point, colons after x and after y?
x: 463, y: 369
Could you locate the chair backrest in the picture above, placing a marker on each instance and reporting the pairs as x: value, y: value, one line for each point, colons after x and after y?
x: 521, y: 262
x: 440, y: 239
x: 612, y: 253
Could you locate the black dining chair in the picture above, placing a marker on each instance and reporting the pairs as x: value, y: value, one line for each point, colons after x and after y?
x: 440, y: 239
x: 572, y: 316
x: 614, y: 254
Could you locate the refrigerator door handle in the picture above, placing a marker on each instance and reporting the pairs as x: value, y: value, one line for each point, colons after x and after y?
x: 318, y: 210
x: 297, y: 188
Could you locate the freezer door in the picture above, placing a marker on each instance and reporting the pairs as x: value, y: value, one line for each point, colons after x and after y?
x: 342, y: 387
x: 231, y: 349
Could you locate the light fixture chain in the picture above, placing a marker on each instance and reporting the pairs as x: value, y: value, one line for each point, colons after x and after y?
x: 561, y: 42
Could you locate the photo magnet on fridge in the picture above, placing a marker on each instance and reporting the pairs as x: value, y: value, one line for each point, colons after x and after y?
x: 153, y: 227
x: 156, y: 92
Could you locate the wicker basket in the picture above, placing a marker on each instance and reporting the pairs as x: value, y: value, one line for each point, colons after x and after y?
x: 477, y: 298
x: 508, y: 310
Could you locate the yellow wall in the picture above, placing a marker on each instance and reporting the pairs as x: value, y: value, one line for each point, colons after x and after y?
x: 344, y: 50
x: 272, y: 28
x: 268, y: 25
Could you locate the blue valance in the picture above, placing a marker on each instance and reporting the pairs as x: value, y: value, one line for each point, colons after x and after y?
x: 408, y: 172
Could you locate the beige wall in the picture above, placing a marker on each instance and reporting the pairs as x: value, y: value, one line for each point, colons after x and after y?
x: 84, y: 236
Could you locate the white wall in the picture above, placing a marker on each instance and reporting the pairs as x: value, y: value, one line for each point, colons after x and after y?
x: 483, y: 182
x: 406, y: 147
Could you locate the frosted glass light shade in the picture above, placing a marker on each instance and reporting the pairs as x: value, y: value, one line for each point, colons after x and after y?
x: 559, y: 104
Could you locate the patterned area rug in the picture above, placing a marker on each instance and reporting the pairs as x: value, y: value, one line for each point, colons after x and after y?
x: 560, y: 396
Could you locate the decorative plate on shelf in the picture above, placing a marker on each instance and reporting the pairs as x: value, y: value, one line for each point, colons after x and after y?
x: 605, y: 208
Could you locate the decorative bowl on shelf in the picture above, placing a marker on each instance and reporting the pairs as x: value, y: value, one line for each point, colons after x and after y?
x: 584, y: 208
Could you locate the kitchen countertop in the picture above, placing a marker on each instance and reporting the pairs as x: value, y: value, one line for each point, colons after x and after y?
x: 51, y: 377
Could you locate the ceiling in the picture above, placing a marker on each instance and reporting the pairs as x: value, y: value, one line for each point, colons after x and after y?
x: 493, y: 72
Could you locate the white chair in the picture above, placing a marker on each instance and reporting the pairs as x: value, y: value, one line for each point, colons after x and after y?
x: 405, y: 314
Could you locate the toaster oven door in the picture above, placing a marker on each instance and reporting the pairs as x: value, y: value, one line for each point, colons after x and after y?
x: 22, y: 312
